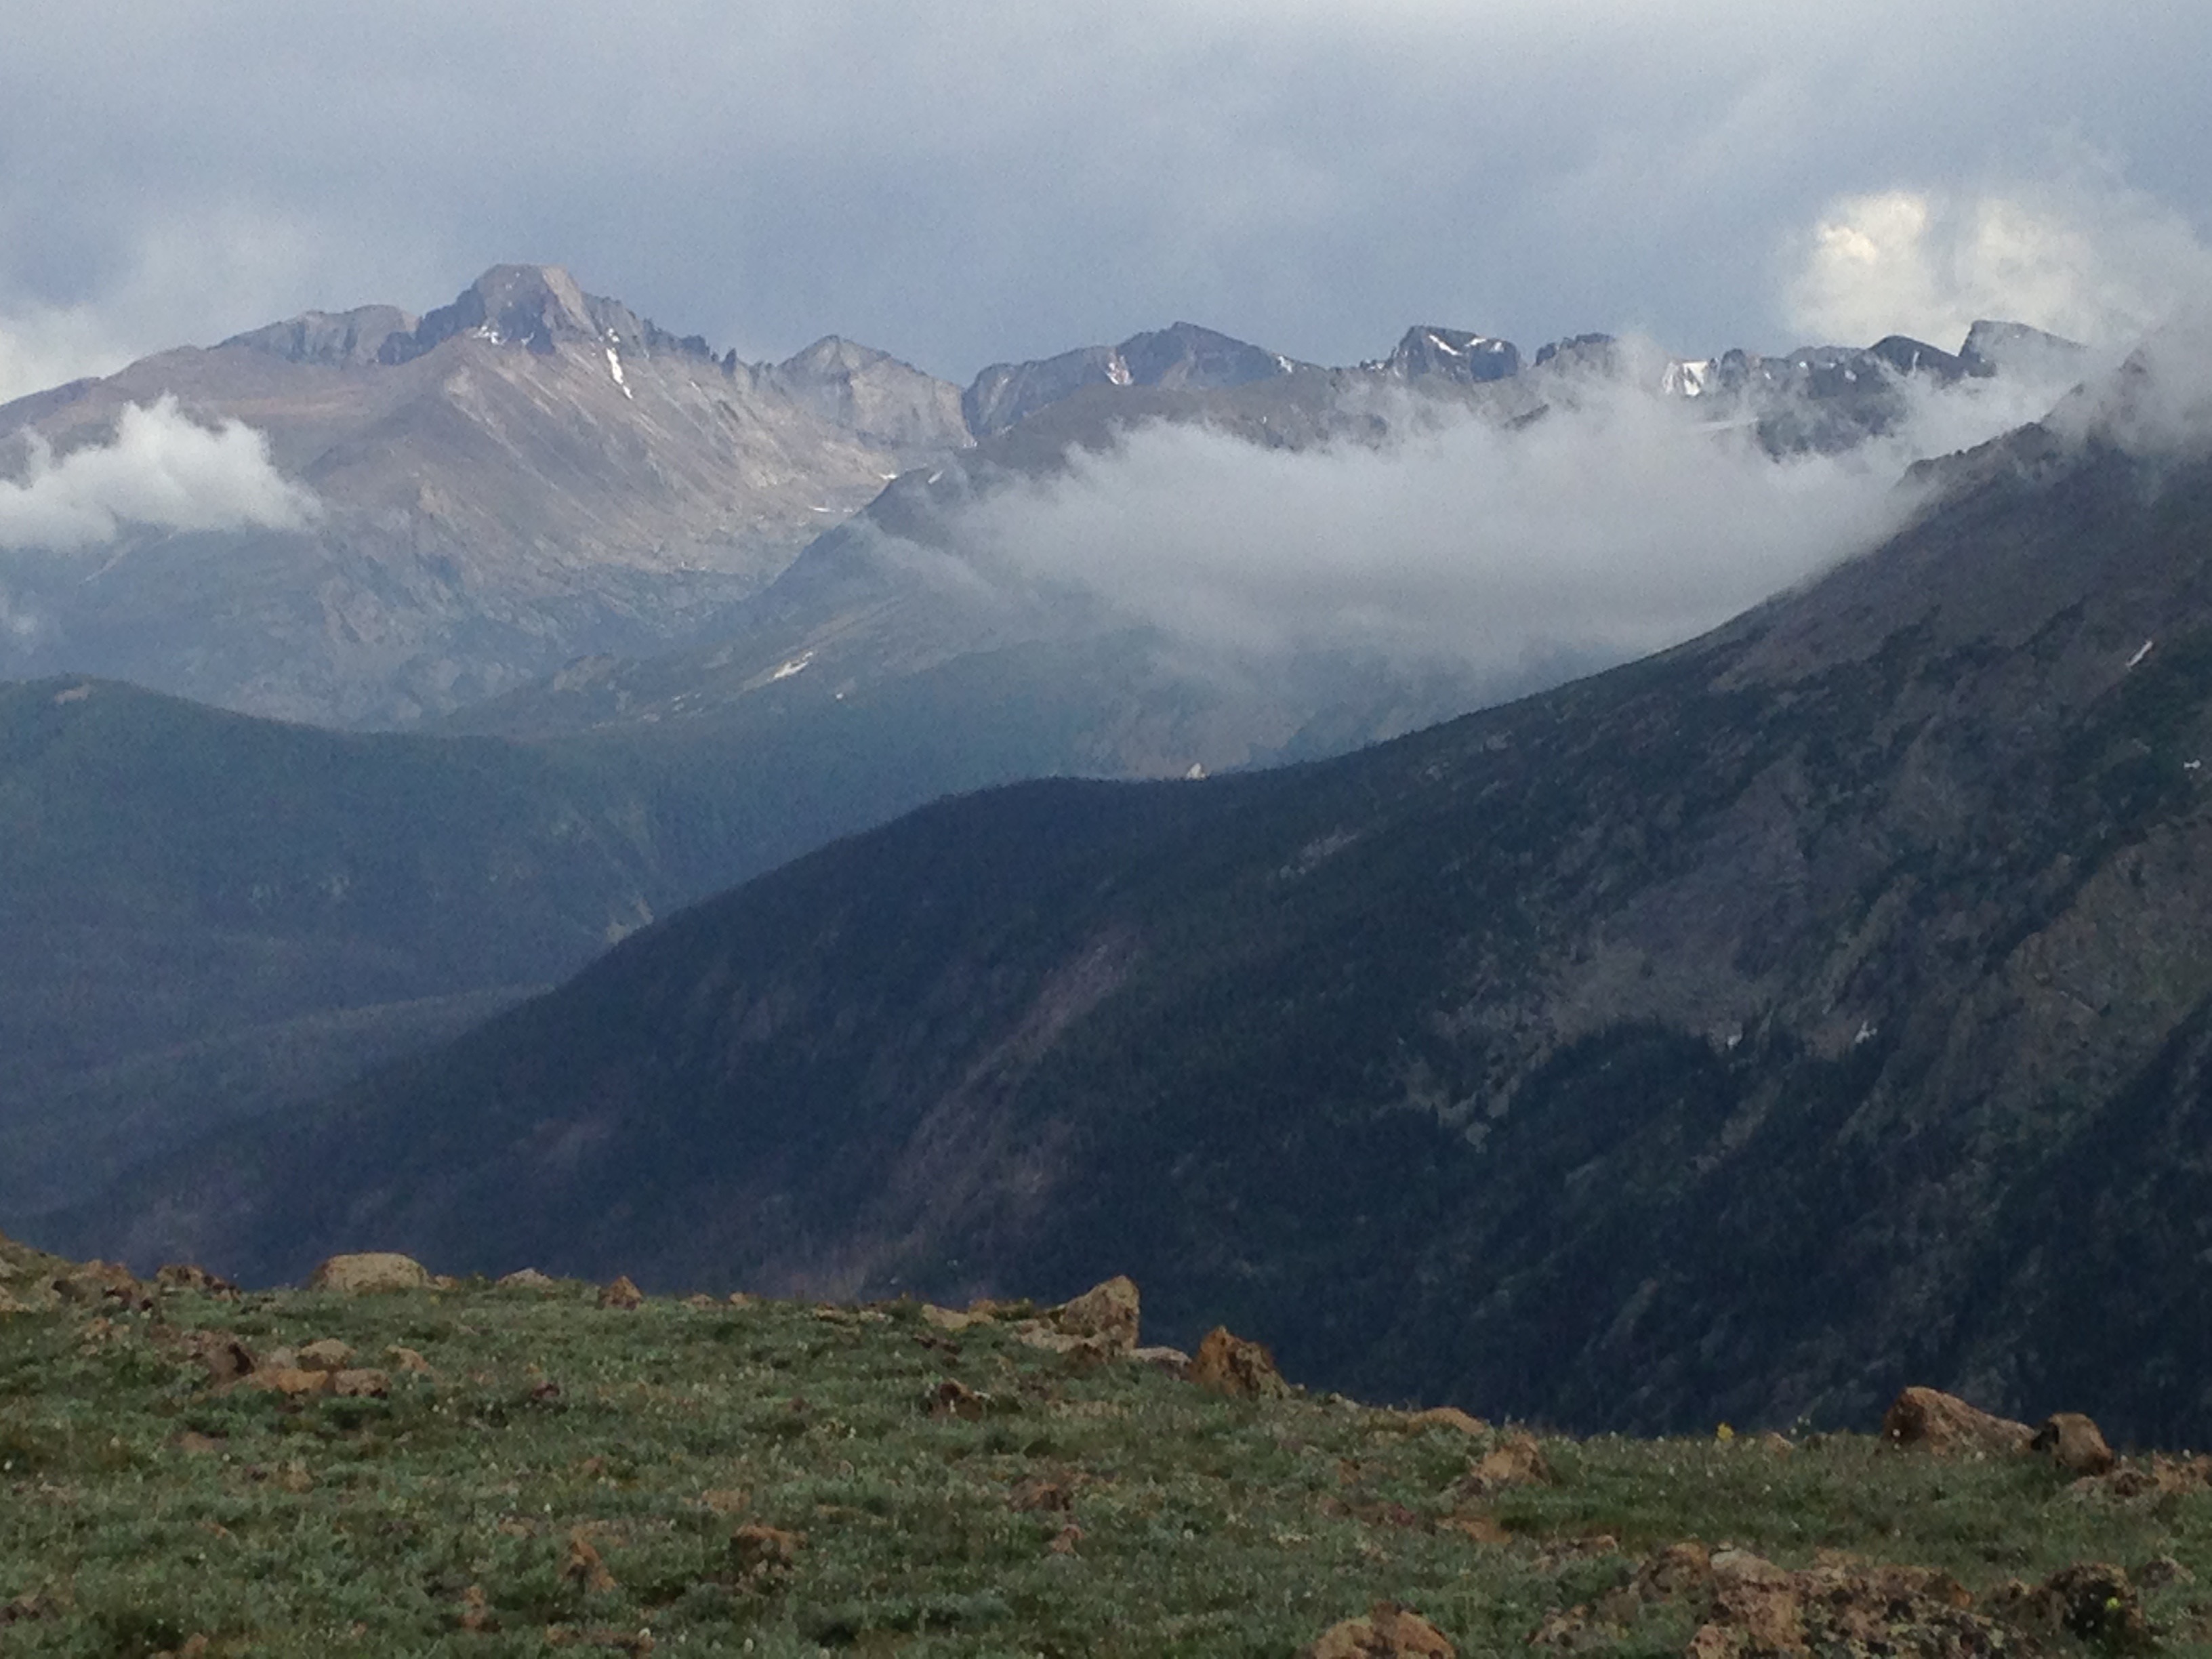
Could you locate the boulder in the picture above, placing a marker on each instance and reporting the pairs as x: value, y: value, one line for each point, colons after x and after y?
x: 1106, y: 1314
x: 1515, y: 1460
x: 328, y: 1355
x: 361, y: 1384
x: 219, y: 1353
x: 762, y: 1552
x: 948, y: 1319
x: 1946, y: 1426
x: 1236, y: 1369
x: 89, y: 1282
x: 2073, y: 1442
x: 525, y: 1278
x: 371, y: 1273
x: 621, y: 1294
x: 409, y: 1362
x: 1388, y: 1632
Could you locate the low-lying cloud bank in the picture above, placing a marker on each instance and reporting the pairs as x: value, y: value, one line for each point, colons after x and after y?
x: 162, y: 469
x: 1506, y: 555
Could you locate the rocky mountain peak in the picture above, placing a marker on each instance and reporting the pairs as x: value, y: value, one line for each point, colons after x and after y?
x: 532, y: 301
x: 1181, y: 356
x: 532, y: 305
x: 873, y: 394
x: 1453, y: 354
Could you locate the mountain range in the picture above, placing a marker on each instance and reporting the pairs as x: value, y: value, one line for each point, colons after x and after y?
x: 1817, y: 1005
x: 1812, y: 1007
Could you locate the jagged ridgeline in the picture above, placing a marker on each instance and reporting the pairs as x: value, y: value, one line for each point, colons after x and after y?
x: 1815, y: 1008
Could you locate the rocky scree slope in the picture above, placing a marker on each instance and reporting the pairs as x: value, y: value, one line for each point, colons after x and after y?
x: 1816, y: 1007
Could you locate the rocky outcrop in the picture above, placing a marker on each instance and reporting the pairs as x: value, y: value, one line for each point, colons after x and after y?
x: 1946, y: 1426
x: 1390, y: 1631
x: 1236, y: 1369
x: 2073, y: 1442
x: 1106, y: 1314
x: 373, y: 1272
x: 1515, y: 1460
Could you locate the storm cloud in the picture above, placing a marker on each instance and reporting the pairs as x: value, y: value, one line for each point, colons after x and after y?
x: 979, y: 180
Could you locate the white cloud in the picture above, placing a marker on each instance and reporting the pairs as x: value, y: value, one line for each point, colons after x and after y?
x: 161, y: 469
x: 2085, y: 257
x: 1503, y: 555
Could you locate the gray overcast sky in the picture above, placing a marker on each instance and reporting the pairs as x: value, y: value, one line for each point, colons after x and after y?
x: 965, y: 182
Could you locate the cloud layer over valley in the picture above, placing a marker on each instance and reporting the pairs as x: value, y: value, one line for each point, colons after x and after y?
x: 1504, y: 555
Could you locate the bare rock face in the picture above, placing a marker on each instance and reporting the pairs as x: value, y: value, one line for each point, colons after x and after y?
x: 1236, y: 1369
x: 371, y: 1273
x: 2073, y: 1442
x: 1107, y: 1314
x: 1388, y: 1632
x: 1946, y: 1426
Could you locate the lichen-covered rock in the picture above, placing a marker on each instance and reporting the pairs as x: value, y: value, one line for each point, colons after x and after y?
x: 370, y: 1272
x: 2073, y: 1442
x: 1108, y: 1314
x: 1515, y: 1460
x: 1946, y: 1426
x: 1237, y: 1369
x: 1388, y: 1632
x: 328, y: 1355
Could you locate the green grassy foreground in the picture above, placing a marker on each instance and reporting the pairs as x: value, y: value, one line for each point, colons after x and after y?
x: 568, y: 1476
